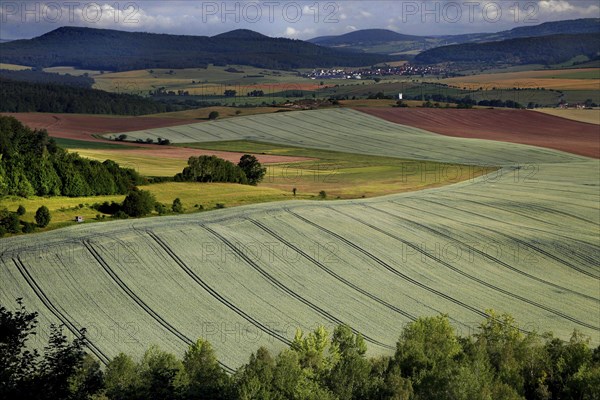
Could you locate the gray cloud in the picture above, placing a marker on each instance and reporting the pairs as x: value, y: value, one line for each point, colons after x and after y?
x: 296, y: 19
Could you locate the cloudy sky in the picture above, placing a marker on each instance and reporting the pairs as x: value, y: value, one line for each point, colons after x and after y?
x: 294, y: 19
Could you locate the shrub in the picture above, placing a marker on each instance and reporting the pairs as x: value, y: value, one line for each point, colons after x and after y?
x: 160, y: 208
x: 177, y: 206
x: 220, y: 205
x: 138, y: 203
x: 213, y: 115
x: 21, y: 210
x: 2, y: 231
x: 28, y: 227
x: 120, y: 215
x: 42, y: 216
x: 322, y: 194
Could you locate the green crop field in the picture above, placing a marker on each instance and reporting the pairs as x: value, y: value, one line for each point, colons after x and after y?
x: 351, y: 131
x: 522, y: 240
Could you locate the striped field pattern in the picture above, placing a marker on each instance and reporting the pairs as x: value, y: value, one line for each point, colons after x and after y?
x: 522, y: 240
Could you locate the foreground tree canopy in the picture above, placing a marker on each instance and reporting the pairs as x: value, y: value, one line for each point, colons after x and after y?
x: 431, y: 361
x: 32, y: 164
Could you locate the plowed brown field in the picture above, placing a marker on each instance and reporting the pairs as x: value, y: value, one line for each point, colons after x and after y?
x: 82, y: 127
x: 516, y: 126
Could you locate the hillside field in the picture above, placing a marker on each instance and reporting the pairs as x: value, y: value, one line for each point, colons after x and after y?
x: 587, y: 116
x: 579, y: 79
x: 522, y: 240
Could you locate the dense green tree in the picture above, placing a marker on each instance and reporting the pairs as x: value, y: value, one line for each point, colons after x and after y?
x: 87, y: 380
x: 425, y: 354
x: 17, y: 181
x: 43, y: 177
x: 503, y: 341
x: 62, y: 359
x: 9, y: 220
x: 18, y: 363
x: 3, y: 179
x: 254, y: 171
x: 23, y: 374
x: 42, y: 217
x: 211, y: 169
x: 32, y: 163
x: 138, y: 203
x: 255, y: 379
x: 204, y: 376
x: 21, y: 210
x: 121, y: 378
x: 160, y: 375
x: 350, y: 376
x: 177, y: 206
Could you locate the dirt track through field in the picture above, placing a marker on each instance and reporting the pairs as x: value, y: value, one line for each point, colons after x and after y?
x: 515, y: 126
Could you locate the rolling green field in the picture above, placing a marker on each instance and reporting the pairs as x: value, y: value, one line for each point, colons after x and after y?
x: 351, y: 131
x: 522, y: 240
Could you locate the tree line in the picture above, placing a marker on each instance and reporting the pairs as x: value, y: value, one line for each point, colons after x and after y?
x: 38, y: 76
x: 18, y: 96
x: 431, y: 361
x: 31, y: 163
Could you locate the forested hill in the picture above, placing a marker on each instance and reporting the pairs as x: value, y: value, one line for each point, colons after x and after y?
x: 103, y: 49
x: 545, y: 50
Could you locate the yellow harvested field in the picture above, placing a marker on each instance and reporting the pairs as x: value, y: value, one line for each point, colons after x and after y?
x: 589, y: 116
x: 13, y: 67
x: 581, y: 79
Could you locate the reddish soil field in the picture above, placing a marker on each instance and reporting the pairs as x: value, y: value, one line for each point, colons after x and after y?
x: 516, y: 126
x: 82, y: 127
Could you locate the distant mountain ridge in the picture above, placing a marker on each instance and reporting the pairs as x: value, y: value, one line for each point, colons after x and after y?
x: 390, y: 42
x: 105, y: 49
x: 364, y: 36
x: 547, y: 50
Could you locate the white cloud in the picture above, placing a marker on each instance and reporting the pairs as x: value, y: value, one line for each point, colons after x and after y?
x: 291, y: 32
x: 365, y: 14
x: 555, y: 6
x: 351, y: 28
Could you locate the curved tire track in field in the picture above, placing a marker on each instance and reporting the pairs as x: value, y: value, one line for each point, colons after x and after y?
x: 389, y: 267
x: 339, y: 278
x: 287, y: 290
x: 138, y: 301
x: 481, y: 253
x: 517, y: 226
x: 214, y: 293
x: 537, y: 207
x: 57, y: 313
x: 471, y: 277
x: 532, y: 247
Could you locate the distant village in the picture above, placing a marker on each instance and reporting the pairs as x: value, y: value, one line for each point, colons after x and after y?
x: 371, y: 73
